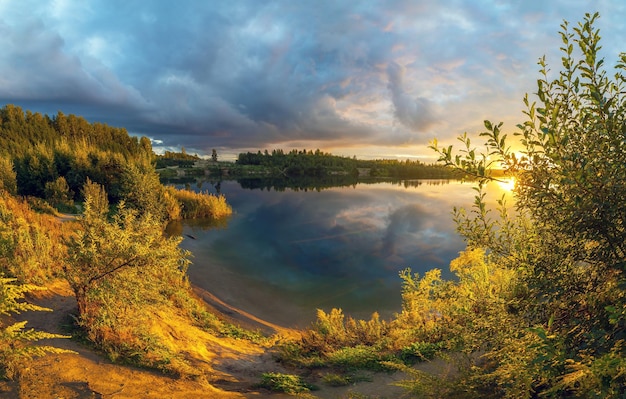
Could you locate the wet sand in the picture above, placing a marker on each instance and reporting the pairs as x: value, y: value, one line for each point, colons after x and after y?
x: 244, y: 299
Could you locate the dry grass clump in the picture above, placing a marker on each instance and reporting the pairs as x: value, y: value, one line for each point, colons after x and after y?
x: 195, y: 205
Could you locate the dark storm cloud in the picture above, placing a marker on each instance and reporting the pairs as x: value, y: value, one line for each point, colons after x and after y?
x: 415, y: 113
x: 251, y: 74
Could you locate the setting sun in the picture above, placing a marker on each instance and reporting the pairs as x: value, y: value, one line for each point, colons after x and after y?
x: 507, y: 184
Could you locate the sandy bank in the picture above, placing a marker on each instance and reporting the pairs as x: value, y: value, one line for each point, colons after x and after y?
x: 244, y: 298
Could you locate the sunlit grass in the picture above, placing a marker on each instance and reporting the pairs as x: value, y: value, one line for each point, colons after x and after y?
x: 200, y: 205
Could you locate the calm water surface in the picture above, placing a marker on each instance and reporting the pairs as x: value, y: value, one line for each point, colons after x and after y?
x: 282, y: 255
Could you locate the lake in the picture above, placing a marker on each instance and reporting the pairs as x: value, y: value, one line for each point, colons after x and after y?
x: 284, y: 254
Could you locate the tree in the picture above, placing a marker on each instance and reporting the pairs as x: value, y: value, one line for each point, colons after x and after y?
x: 214, y: 155
x: 142, y: 190
x: 101, y: 249
x: 568, y: 241
x: 8, y: 181
x: 146, y: 145
x: 34, y: 169
x: 59, y: 195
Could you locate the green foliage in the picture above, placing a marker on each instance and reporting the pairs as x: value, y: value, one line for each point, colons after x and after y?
x: 565, y: 247
x: 141, y: 190
x: 309, y: 163
x: 336, y: 380
x: 119, y: 264
x: 44, y: 149
x: 170, y: 158
x: 58, y: 194
x: 30, y: 247
x: 15, y: 341
x: 420, y: 351
x: 424, y: 385
x: 359, y: 357
x: 103, y: 248
x: 33, y: 169
x: 8, y: 180
x: 98, y: 201
x: 331, y: 331
x: 123, y: 269
x: 287, y: 383
x: 120, y: 269
x: 196, y: 310
x: 466, y: 315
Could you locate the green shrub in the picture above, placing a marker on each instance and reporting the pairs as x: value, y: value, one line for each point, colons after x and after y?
x: 359, y: 357
x: 287, y: 383
x: 332, y: 331
x: 552, y: 323
x: 336, y: 380
x: 420, y: 351
x: 15, y: 341
x: 30, y: 247
x: 296, y: 354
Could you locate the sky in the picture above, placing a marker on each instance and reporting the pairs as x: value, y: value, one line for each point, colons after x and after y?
x: 372, y: 79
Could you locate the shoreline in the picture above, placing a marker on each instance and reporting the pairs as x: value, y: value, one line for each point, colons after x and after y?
x: 243, y: 298
x: 239, y: 316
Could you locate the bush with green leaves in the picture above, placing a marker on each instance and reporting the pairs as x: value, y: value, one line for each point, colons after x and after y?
x: 287, y: 383
x: 30, y: 243
x: 567, y: 242
x: 59, y: 195
x: 198, y: 205
x: 121, y: 268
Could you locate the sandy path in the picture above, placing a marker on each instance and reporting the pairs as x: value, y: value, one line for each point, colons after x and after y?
x: 87, y: 374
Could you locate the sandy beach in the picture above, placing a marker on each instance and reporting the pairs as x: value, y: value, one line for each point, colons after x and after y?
x: 246, y: 300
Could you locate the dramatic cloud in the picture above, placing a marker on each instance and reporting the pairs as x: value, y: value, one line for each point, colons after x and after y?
x: 368, y: 78
x: 415, y: 113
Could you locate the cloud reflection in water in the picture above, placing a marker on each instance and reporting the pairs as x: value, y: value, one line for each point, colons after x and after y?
x: 341, y: 247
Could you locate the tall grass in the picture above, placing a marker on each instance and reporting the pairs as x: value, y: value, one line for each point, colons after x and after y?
x: 195, y: 205
x: 31, y: 248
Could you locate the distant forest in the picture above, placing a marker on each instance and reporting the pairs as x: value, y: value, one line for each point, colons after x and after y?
x: 53, y: 157
x: 318, y: 163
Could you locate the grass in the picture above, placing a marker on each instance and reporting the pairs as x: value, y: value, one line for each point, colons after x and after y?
x: 420, y: 351
x: 200, y: 205
x: 360, y: 357
x: 287, y: 383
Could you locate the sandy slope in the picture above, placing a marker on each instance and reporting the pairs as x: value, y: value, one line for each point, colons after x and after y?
x: 230, y: 368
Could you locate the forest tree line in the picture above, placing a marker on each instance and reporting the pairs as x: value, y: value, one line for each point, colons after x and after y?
x: 53, y: 158
x: 318, y: 163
